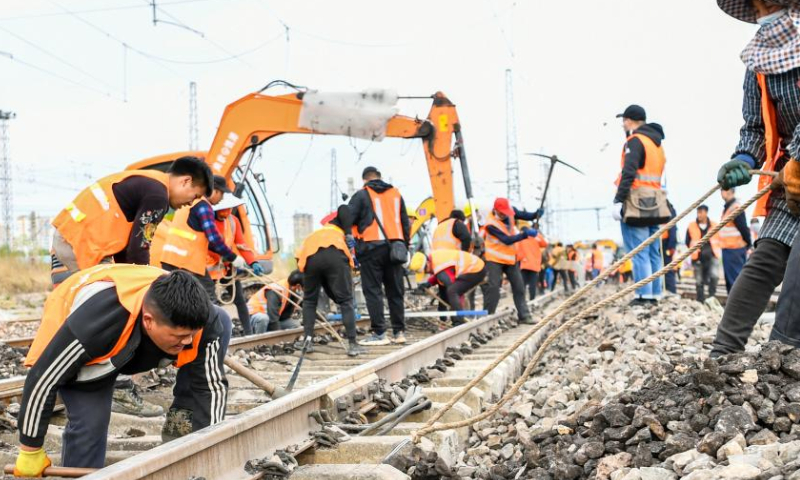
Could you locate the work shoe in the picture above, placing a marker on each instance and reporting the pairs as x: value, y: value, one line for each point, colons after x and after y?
x: 375, y: 340
x: 298, y: 345
x: 354, y: 349
x: 129, y: 402
x: 527, y: 320
x: 177, y: 424
x: 399, y: 338
x: 639, y: 302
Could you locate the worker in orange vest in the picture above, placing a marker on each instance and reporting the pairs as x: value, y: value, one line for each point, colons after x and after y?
x: 706, y: 260
x: 597, y: 261
x: 453, y: 233
x: 734, y: 239
x: 326, y: 262
x: 500, y: 235
x: 270, y: 308
x: 109, y: 319
x: 768, y: 141
x: 529, y: 256
x: 381, y: 220
x: 455, y: 272
x: 115, y: 218
x: 642, y: 167
x: 233, y: 235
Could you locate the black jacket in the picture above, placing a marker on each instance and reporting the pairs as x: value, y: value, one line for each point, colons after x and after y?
x: 91, y: 331
x: 363, y: 216
x: 634, y: 158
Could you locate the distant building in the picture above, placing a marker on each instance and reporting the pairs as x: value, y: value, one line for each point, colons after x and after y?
x: 32, y: 232
x: 303, y: 226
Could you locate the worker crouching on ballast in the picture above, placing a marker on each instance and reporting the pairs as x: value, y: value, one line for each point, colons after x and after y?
x: 109, y: 320
x: 456, y: 273
x: 326, y: 262
x: 272, y: 307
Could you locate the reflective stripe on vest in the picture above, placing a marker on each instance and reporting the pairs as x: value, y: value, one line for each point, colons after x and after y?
x: 463, y: 262
x: 94, y: 224
x: 328, y: 236
x: 654, y: 161
x: 695, y: 234
x: 258, y: 302
x: 214, y: 265
x: 443, y: 236
x: 772, y: 144
x: 185, y: 247
x: 497, y: 251
x: 729, y: 235
x: 386, y: 206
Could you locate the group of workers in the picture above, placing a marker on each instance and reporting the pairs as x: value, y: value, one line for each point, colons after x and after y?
x: 758, y: 258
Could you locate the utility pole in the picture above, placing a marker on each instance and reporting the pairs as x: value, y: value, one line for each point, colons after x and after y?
x: 193, y: 134
x: 334, y: 182
x: 514, y: 190
x: 6, y: 191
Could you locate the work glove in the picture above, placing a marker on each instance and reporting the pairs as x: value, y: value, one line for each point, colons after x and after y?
x: 31, y: 464
x: 616, y: 211
x: 531, y: 232
x: 257, y: 268
x: 350, y: 241
x: 239, y: 263
x: 789, y: 180
x: 734, y: 173
x: 422, y: 288
x: 540, y: 213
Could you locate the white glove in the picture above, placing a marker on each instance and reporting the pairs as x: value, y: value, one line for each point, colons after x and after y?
x: 616, y: 211
x: 239, y: 262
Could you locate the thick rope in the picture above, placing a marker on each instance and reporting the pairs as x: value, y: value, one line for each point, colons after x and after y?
x: 429, y: 426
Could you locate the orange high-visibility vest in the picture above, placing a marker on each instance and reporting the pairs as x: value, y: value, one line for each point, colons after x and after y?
x: 529, y: 253
x: 132, y: 283
x: 94, y: 224
x: 185, y: 247
x: 258, y: 302
x: 772, y: 144
x: 729, y: 236
x: 654, y: 161
x: 386, y: 206
x: 463, y: 262
x: 695, y: 235
x: 443, y: 236
x: 328, y: 236
x: 497, y: 251
x: 214, y: 265
x: 597, y: 259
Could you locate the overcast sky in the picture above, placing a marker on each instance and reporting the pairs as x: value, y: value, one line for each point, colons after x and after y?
x: 88, y: 106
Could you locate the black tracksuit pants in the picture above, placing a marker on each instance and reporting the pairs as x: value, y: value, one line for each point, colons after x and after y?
x: 491, y: 296
x: 750, y: 295
x: 329, y: 270
x: 453, y: 291
x: 787, y: 315
x: 378, y: 273
x: 531, y: 280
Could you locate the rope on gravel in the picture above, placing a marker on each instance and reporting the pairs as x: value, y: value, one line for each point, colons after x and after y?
x: 429, y: 426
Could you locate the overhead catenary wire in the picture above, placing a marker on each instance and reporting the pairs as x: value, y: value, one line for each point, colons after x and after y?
x: 431, y: 426
x: 51, y: 73
x: 97, y: 10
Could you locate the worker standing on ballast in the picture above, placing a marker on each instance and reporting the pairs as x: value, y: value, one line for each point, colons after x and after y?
x: 116, y: 319
x: 706, y: 260
x: 768, y: 141
x: 379, y: 214
x: 500, y: 235
x: 115, y: 218
x: 529, y: 256
x: 455, y: 272
x: 453, y: 233
x: 326, y: 262
x: 271, y: 307
x: 734, y: 239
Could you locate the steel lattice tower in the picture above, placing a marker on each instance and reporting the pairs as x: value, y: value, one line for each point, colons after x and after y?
x: 193, y: 134
x: 334, y: 182
x: 6, y: 191
x: 514, y: 192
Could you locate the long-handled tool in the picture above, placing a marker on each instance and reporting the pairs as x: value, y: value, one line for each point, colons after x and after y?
x: 553, y: 161
x: 66, y: 472
x: 296, y: 372
x: 274, y: 391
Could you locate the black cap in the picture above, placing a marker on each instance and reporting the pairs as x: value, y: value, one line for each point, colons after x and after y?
x: 220, y: 184
x: 369, y: 170
x: 703, y: 207
x: 634, y: 112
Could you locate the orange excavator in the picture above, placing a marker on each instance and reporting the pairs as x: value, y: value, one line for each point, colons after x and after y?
x: 255, y: 118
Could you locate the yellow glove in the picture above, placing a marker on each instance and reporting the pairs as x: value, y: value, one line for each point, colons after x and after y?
x: 789, y: 179
x: 31, y: 464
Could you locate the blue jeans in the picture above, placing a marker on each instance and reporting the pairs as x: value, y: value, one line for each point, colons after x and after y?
x: 732, y: 263
x: 646, y: 262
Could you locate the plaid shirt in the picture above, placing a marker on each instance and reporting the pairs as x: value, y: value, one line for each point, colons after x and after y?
x: 784, y: 91
x: 202, y: 216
